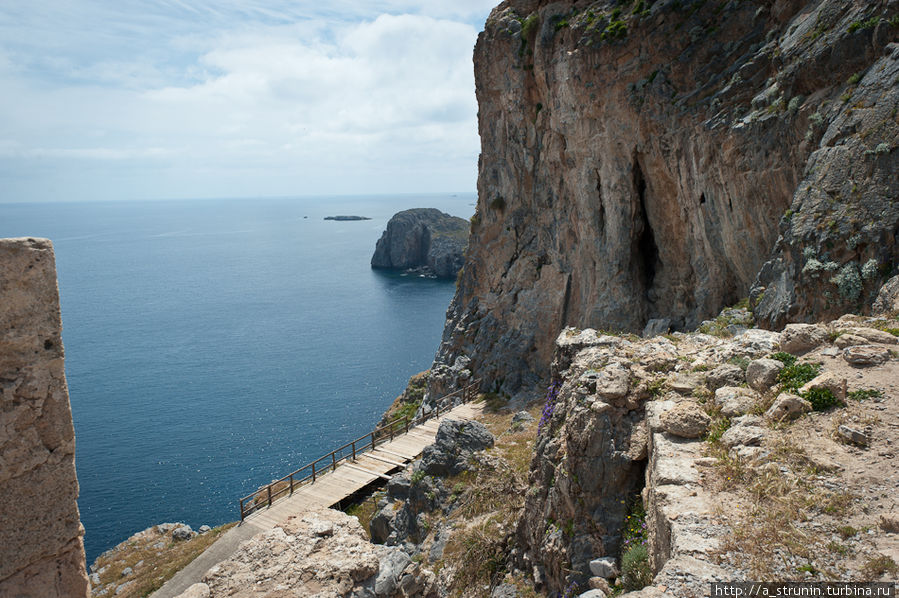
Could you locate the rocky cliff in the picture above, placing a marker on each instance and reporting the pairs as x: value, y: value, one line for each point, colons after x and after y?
x: 660, y: 160
x: 423, y: 239
x: 41, y: 546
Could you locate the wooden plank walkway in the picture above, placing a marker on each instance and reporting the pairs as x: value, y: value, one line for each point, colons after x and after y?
x: 328, y: 490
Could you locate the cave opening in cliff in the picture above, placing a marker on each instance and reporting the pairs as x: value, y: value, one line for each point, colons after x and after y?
x: 647, y: 251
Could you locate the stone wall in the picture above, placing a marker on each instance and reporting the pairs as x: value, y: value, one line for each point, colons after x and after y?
x: 41, y: 546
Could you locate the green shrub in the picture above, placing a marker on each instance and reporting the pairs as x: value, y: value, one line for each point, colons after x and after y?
x: 529, y: 25
x: 784, y: 358
x: 794, y: 376
x: 636, y: 573
x: 717, y: 429
x: 417, y: 476
x: 867, y: 393
x: 857, y: 25
x: 614, y: 30
x: 855, y: 78
x: 739, y: 361
x: 849, y: 282
x: 821, y: 399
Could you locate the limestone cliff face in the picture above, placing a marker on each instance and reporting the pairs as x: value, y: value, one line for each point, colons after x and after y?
x: 638, y: 160
x: 423, y: 238
x: 41, y: 547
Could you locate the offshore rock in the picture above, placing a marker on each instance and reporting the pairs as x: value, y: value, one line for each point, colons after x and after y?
x: 41, y: 537
x: 423, y: 238
x: 660, y: 164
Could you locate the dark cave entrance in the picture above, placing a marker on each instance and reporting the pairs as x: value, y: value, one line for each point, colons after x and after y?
x: 647, y: 251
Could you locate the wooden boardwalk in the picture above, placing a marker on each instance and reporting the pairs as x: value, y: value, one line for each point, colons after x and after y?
x: 328, y: 490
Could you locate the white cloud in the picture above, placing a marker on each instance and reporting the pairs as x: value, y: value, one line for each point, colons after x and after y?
x: 274, y: 104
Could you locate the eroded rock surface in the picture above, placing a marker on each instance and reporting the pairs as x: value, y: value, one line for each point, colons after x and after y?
x: 656, y: 165
x: 41, y: 545
x: 324, y: 554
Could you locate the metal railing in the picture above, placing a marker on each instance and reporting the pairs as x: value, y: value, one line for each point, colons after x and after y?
x: 309, y: 473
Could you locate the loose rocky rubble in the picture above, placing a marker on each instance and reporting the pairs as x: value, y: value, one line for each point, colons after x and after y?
x: 323, y: 554
x: 721, y: 438
x: 116, y: 572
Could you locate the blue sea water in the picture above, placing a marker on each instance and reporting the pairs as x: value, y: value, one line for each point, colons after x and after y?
x: 214, y: 345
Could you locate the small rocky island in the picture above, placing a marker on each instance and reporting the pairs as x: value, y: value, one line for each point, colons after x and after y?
x: 346, y: 218
x: 423, y: 240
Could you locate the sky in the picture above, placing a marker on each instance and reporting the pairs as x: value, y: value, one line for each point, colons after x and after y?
x: 141, y: 99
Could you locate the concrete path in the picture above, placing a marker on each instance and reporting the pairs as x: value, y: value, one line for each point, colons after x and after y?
x: 329, y: 489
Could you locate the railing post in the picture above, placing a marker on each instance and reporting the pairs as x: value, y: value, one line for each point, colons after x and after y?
x: 391, y: 432
x: 313, y: 472
x: 269, y: 495
x: 241, y: 509
x: 407, y: 424
x: 291, y: 484
x: 354, y: 450
x: 372, y: 441
x: 333, y: 462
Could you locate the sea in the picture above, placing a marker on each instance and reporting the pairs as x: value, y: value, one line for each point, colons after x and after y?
x: 215, y: 345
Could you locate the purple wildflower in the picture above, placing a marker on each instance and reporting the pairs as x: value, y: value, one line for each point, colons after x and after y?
x: 552, y: 395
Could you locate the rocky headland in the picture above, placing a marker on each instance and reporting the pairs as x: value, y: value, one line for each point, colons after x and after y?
x: 423, y: 240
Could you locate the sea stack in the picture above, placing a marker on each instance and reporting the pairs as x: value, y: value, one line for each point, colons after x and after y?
x: 425, y: 240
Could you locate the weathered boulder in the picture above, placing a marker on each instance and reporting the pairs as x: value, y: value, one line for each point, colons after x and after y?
x: 849, y: 340
x: 865, y: 355
x: 872, y: 335
x: 787, y: 406
x: 41, y: 537
x: 761, y: 374
x: 687, y: 420
x: 183, y: 532
x: 604, y: 567
x: 735, y: 400
x: 454, y: 443
x: 802, y: 338
x: 743, y: 436
x: 423, y: 238
x: 854, y: 435
x: 684, y: 384
x: 613, y: 381
x: 656, y: 327
x: 835, y: 384
x: 724, y: 375
x: 887, y: 301
x: 398, y: 519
